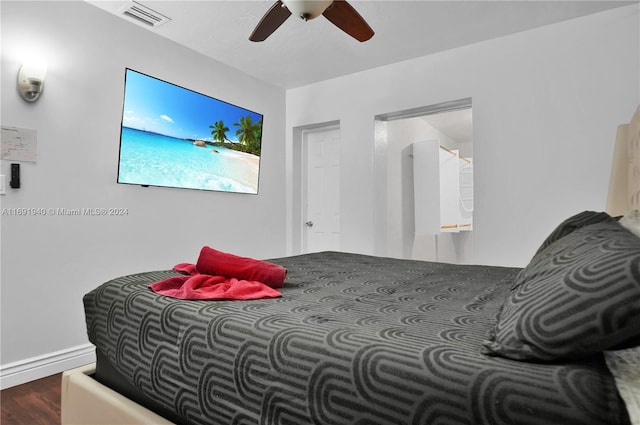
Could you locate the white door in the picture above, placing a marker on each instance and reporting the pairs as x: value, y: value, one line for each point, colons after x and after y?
x: 321, y: 190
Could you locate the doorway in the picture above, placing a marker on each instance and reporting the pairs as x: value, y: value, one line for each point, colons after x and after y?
x: 321, y: 189
x: 310, y: 233
x: 449, y: 126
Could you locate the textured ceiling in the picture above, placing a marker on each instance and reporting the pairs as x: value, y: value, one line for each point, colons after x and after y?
x: 301, y: 53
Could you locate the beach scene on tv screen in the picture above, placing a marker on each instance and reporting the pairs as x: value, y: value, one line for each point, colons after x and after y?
x: 175, y: 137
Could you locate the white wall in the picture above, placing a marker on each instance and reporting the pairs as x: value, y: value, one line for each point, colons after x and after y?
x: 546, y: 104
x: 49, y: 263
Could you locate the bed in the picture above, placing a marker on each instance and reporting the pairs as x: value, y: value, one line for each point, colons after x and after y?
x: 359, y: 339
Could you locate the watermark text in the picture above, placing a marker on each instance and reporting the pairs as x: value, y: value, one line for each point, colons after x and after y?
x: 64, y: 212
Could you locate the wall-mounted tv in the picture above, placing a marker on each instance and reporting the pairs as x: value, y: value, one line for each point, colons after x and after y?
x: 175, y: 137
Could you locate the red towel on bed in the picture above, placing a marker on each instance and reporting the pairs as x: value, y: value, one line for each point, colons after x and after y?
x: 219, y: 263
x: 221, y: 276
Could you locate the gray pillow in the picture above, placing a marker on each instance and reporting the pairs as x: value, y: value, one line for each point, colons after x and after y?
x: 577, y: 297
x: 573, y: 223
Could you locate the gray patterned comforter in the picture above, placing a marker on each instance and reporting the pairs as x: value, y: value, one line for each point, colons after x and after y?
x: 354, y: 339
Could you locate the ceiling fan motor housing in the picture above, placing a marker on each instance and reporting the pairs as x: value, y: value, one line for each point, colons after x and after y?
x: 307, y: 9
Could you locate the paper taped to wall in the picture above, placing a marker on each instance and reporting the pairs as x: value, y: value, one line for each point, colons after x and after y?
x: 18, y: 144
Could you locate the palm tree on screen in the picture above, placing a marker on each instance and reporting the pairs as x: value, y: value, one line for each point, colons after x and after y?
x: 219, y: 131
x: 249, y: 133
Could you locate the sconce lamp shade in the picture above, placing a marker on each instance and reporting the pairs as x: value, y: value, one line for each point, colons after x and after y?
x: 31, y: 80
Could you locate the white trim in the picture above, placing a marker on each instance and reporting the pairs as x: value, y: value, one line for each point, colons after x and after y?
x: 33, y: 368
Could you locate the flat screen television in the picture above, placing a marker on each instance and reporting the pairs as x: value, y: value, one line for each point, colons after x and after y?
x: 175, y: 137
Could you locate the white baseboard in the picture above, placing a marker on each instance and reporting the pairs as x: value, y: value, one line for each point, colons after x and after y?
x: 22, y: 371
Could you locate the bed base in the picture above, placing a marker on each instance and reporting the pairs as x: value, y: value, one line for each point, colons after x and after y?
x: 85, y: 401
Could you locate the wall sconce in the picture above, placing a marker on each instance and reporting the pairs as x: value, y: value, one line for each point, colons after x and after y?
x: 31, y: 80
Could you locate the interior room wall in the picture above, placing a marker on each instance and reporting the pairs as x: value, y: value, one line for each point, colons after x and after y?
x: 546, y: 105
x: 49, y: 262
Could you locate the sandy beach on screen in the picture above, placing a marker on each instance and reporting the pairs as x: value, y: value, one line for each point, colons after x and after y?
x: 248, y: 173
x: 248, y: 157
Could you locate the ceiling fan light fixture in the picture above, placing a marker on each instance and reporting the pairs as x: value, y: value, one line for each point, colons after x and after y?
x: 338, y: 12
x: 307, y: 9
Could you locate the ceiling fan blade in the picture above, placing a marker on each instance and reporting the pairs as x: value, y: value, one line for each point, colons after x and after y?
x: 270, y: 22
x: 345, y: 17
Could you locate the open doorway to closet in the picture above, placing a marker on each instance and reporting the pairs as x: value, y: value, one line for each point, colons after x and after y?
x: 429, y: 181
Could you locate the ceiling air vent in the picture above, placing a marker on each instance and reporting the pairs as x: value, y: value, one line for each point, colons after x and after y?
x: 143, y: 15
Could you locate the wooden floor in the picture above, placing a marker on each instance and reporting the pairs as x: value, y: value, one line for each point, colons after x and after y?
x: 33, y: 403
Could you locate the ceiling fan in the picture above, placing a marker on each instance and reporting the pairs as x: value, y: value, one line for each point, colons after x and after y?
x: 338, y: 12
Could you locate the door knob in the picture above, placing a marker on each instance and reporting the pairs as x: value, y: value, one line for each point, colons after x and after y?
x: 309, y: 223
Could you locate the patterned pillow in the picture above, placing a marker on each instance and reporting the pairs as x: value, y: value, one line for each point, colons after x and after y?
x: 579, y: 296
x: 573, y: 223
